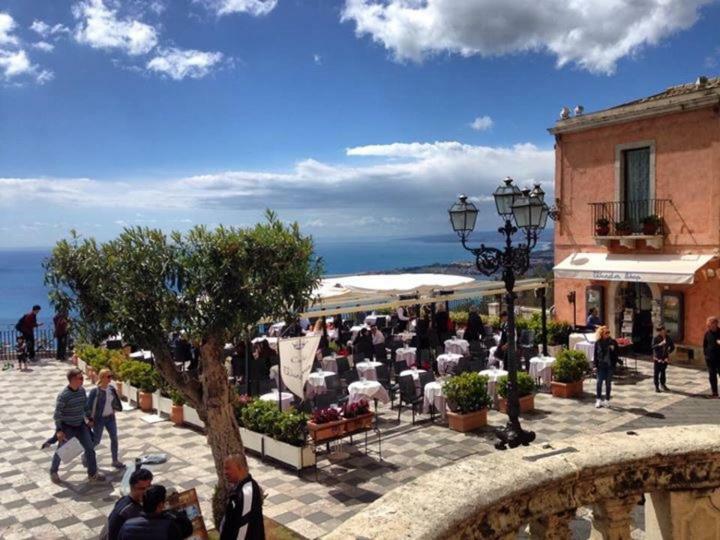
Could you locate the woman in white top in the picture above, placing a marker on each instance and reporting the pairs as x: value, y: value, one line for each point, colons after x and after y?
x: 102, y: 402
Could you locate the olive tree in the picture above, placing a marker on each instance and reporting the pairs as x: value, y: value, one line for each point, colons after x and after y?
x: 215, y: 285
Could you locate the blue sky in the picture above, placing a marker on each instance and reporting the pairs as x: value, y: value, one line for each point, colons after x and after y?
x: 370, y: 114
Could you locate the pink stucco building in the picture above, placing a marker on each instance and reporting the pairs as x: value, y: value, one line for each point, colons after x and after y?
x: 616, y: 169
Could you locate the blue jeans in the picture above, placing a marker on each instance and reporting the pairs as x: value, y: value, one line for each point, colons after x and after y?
x: 82, y: 432
x: 604, y: 373
x: 109, y: 423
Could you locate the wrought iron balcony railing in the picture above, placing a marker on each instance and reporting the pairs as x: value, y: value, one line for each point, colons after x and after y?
x: 628, y: 218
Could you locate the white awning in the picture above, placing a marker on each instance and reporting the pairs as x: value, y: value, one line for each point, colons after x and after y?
x: 669, y: 269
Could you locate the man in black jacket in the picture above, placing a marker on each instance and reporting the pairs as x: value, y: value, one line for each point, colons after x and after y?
x: 129, y: 506
x: 662, y: 346
x: 243, y: 519
x: 711, y: 348
x: 155, y: 523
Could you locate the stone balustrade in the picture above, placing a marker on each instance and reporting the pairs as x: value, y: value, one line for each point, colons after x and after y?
x: 498, y: 495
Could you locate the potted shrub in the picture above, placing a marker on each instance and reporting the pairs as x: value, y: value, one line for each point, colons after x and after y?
x: 526, y: 391
x: 602, y: 226
x: 623, y: 227
x: 568, y: 372
x: 145, y: 379
x: 325, y: 424
x: 252, y: 418
x: 176, y: 413
x: 651, y: 224
x: 468, y: 400
x: 357, y: 416
x: 287, y: 440
x: 558, y: 333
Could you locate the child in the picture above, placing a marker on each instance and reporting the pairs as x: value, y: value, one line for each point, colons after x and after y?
x: 22, y: 353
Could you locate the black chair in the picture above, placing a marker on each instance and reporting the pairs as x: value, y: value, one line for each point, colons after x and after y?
x: 381, y: 322
x: 323, y: 401
x: 351, y: 376
x: 463, y: 366
x: 343, y: 365
x: 398, y: 367
x: 426, y: 377
x: 379, y: 353
x: 526, y: 344
x: 332, y: 383
x: 476, y: 365
x: 408, y: 395
x: 383, y: 377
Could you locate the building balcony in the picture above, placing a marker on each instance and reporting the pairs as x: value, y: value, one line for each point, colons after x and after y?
x: 628, y: 222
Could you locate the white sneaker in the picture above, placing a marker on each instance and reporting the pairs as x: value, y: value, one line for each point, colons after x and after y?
x: 606, y: 403
x: 598, y: 403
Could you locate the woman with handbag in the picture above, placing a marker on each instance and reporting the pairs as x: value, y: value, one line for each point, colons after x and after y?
x: 102, y: 403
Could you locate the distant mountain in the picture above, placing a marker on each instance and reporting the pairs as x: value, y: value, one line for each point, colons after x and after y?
x: 477, y: 237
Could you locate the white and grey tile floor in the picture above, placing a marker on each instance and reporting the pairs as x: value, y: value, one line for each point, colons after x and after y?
x: 309, y: 504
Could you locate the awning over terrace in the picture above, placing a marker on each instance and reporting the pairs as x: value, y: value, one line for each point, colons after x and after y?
x: 669, y: 268
x: 350, y: 294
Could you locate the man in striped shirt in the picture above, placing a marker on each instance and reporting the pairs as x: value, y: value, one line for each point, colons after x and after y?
x: 70, y: 421
x: 243, y: 519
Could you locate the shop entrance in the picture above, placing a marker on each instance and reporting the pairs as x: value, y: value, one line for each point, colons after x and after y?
x: 633, y: 315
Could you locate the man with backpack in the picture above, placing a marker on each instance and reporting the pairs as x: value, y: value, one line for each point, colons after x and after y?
x: 26, y: 326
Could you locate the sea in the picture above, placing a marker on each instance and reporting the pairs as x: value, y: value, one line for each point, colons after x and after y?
x: 21, y: 271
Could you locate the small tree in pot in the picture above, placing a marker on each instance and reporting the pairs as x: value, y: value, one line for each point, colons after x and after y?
x: 176, y: 415
x: 526, y: 391
x: 623, y: 227
x: 651, y: 224
x: 568, y: 371
x: 468, y: 399
x: 602, y: 226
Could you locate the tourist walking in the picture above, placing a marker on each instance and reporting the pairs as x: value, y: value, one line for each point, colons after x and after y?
x: 26, y: 326
x: 129, y: 506
x: 156, y: 523
x: 61, y: 324
x: 605, y: 360
x: 102, y: 403
x: 711, y: 348
x: 662, y: 346
x: 243, y: 517
x: 71, y: 421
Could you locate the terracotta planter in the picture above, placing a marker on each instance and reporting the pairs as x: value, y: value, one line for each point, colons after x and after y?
x: 359, y: 422
x: 467, y: 422
x: 649, y: 229
x: 602, y: 231
x: 567, y: 390
x: 327, y: 431
x: 145, y: 401
x: 527, y: 404
x: 176, y: 415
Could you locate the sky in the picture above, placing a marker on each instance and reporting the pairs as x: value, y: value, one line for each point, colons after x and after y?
x: 355, y: 118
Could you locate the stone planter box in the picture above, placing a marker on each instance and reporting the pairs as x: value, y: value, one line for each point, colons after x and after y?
x: 176, y: 415
x: 145, y: 401
x: 527, y: 404
x: 467, y: 422
x: 161, y: 404
x: 297, y: 457
x: 191, y: 417
x: 327, y: 431
x: 131, y: 393
x: 566, y: 390
x: 252, y: 440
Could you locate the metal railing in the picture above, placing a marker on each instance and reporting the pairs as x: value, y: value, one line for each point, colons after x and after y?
x: 44, y: 344
x: 626, y: 217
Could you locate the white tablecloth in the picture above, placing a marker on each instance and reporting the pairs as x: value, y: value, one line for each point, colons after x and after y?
x: 541, y: 369
x: 316, y: 383
x: 355, y: 329
x: 457, y: 346
x: 287, y: 399
x: 447, y: 362
x: 367, y: 390
x: 587, y: 348
x: 329, y: 363
x: 372, y: 319
x: 276, y: 329
x: 367, y: 370
x: 580, y: 338
x: 143, y: 355
x: 405, y: 337
x: 433, y: 395
x: 407, y: 354
x: 272, y: 341
x: 493, y: 375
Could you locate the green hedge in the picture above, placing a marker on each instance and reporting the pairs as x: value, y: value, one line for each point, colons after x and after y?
x: 467, y: 392
x: 265, y: 417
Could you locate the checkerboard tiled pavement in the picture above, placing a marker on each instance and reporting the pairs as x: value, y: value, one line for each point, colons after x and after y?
x: 312, y: 503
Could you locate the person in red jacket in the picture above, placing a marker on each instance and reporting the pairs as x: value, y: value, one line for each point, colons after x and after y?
x: 26, y: 326
x: 60, y: 321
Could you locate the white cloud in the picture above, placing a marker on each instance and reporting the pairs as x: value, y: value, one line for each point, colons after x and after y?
x: 252, y: 7
x: 15, y: 64
x: 594, y: 34
x: 100, y: 27
x: 181, y: 63
x: 45, y: 30
x: 7, y: 27
x: 315, y: 223
x: 317, y: 59
x: 482, y: 123
x: 44, y: 46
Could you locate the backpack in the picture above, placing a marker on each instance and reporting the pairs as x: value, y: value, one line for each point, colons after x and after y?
x: 19, y: 324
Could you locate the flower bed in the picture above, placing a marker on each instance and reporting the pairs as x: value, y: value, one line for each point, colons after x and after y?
x: 328, y: 424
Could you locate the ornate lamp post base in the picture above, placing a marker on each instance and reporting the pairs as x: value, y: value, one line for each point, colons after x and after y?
x: 513, y: 436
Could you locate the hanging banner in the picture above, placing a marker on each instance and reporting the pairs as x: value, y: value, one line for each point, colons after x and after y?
x: 296, y: 361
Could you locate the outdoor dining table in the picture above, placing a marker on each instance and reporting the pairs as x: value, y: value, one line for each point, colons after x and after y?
x: 588, y: 347
x: 433, y: 395
x: 541, y: 369
x: 415, y: 375
x: 316, y: 383
x: 329, y: 363
x: 406, y: 354
x: 286, y: 398
x: 447, y: 362
x: 493, y: 375
x: 369, y: 390
x: 272, y: 341
x: 405, y: 337
x: 355, y: 329
x: 492, y: 358
x: 367, y: 369
x: 577, y: 337
x: 457, y: 346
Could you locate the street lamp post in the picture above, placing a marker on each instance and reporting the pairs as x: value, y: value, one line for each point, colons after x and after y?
x: 528, y: 211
